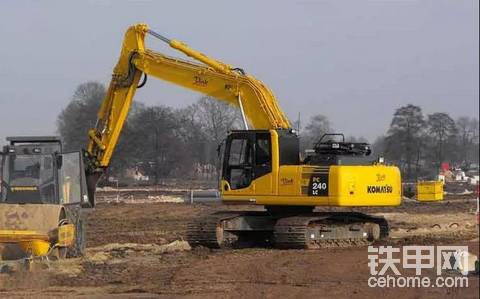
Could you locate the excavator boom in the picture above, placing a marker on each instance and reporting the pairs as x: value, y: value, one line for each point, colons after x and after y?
x: 207, y: 76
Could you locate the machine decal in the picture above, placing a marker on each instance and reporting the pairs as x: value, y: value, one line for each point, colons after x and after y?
x: 380, y: 189
x: 286, y: 181
x: 200, y: 81
x: 14, y: 219
x: 381, y: 177
x: 318, y: 185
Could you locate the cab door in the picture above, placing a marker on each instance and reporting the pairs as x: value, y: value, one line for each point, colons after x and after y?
x: 238, y: 161
x: 247, y: 163
x: 72, y: 186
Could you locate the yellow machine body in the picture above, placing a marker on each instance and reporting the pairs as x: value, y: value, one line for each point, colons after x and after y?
x: 312, y: 185
x: 429, y: 191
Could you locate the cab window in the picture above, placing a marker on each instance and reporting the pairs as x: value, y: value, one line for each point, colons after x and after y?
x: 70, y: 178
x: 263, y: 154
x: 239, y: 169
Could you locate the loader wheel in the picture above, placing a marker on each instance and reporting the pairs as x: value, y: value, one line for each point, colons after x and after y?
x: 78, y: 248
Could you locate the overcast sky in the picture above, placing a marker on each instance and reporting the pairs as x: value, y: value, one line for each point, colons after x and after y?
x: 353, y: 61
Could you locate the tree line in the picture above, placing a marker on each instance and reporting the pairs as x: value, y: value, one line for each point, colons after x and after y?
x: 158, y: 141
x: 163, y: 142
x: 420, y: 143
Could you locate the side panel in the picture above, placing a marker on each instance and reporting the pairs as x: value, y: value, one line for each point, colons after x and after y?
x: 370, y: 185
x: 288, y: 184
x: 42, y: 218
x: 375, y: 185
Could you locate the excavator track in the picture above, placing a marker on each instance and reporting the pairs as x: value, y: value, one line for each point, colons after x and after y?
x: 324, y: 230
x: 207, y: 231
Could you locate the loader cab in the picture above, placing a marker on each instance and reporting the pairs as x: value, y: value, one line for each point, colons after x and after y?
x: 34, y: 170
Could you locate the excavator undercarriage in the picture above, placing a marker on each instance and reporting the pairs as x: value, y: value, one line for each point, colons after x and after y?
x: 287, y: 228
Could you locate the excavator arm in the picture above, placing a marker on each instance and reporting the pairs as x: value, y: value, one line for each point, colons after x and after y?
x: 208, y: 76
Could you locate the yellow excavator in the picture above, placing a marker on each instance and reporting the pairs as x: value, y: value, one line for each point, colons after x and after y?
x: 261, y: 164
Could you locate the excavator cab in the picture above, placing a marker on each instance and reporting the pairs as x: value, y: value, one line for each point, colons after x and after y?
x: 251, y: 155
x: 247, y: 157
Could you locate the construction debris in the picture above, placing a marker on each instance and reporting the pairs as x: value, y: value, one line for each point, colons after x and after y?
x: 151, y: 248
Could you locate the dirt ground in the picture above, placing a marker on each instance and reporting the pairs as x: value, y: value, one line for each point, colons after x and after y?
x: 127, y: 257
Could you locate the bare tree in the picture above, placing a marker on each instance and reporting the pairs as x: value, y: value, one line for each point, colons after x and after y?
x: 216, y: 118
x: 80, y: 115
x: 467, y: 137
x: 403, y: 142
x: 379, y: 145
x: 157, y: 144
x: 193, y: 135
x: 314, y: 130
x: 442, y: 132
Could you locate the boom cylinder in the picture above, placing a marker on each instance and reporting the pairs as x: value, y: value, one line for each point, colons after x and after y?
x: 178, y: 45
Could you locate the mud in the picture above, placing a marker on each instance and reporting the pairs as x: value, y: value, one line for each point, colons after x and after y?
x: 130, y: 254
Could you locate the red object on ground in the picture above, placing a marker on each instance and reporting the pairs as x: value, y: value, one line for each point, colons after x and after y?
x: 445, y: 166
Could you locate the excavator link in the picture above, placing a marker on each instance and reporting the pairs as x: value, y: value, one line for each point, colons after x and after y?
x: 333, y: 229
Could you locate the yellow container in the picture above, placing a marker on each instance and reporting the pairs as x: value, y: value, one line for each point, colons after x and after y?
x: 429, y: 191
